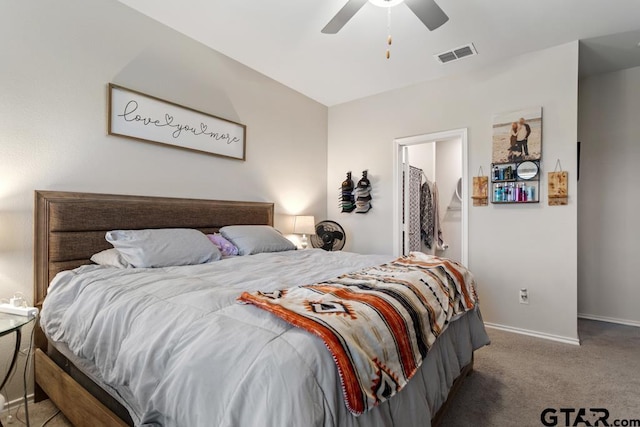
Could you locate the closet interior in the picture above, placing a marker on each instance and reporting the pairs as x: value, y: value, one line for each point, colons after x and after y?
x: 433, y: 198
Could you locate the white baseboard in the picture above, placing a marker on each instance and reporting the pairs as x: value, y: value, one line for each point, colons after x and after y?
x: 609, y: 319
x: 15, y: 403
x: 543, y: 335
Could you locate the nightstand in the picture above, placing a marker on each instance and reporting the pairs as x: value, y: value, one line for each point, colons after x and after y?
x: 12, y: 323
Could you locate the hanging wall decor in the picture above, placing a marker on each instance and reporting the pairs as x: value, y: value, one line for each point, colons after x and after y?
x: 558, y: 186
x: 363, y: 194
x: 346, y: 195
x: 517, y: 136
x: 143, y: 117
x: 480, y: 189
x: 517, y: 152
x: 514, y: 183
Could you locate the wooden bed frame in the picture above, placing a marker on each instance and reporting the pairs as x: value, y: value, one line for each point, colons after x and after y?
x: 70, y: 227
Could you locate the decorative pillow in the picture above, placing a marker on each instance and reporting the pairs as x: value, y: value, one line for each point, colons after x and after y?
x: 110, y: 257
x: 163, y: 247
x: 226, y: 247
x: 254, y: 239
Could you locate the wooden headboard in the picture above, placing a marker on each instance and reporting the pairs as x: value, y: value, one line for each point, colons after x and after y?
x: 70, y: 227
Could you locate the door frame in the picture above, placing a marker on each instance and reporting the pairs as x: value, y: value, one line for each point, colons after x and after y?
x: 400, y: 145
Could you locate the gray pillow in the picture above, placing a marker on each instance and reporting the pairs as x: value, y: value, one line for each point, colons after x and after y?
x: 111, y: 258
x: 254, y: 239
x: 163, y: 247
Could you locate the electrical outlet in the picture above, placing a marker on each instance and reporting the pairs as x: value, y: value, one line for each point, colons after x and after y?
x: 524, y: 296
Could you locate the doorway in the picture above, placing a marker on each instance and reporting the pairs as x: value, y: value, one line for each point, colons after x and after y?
x: 440, y: 161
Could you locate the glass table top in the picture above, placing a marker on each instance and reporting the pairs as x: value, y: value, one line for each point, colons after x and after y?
x: 11, y: 322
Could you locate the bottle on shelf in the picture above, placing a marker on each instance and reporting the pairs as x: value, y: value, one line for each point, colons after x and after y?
x: 499, y: 193
x: 520, y: 193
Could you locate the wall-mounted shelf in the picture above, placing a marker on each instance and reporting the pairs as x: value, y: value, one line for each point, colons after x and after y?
x: 515, y: 182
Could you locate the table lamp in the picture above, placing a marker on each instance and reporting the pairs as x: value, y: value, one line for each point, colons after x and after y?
x: 304, y: 224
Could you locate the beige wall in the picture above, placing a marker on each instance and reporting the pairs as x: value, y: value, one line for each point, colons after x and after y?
x: 57, y: 59
x: 609, y: 109
x: 510, y: 247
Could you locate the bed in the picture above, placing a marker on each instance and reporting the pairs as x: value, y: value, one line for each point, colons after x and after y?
x: 70, y: 227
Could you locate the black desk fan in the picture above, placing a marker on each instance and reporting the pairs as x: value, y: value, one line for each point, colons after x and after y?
x: 329, y: 236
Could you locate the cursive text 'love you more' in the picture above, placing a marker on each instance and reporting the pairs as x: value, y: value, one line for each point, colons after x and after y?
x: 129, y: 115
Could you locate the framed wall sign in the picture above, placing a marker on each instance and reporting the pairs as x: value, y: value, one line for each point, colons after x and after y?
x: 144, y: 117
x: 517, y: 136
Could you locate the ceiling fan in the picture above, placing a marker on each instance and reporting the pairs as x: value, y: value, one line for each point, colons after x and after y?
x: 431, y: 15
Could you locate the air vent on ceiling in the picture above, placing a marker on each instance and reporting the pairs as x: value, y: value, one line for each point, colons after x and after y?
x: 457, y: 53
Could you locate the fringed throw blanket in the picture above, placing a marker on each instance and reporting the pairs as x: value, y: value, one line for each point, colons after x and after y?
x: 378, y: 323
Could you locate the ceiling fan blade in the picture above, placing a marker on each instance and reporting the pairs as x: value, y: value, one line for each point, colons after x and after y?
x: 431, y: 15
x: 343, y: 16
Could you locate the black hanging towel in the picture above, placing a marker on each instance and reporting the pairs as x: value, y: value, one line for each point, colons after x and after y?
x: 363, y: 194
x: 347, y: 199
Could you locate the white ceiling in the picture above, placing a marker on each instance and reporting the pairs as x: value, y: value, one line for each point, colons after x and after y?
x: 282, y: 39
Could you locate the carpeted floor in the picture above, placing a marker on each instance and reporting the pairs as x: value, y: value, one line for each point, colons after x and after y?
x: 38, y: 414
x: 517, y: 377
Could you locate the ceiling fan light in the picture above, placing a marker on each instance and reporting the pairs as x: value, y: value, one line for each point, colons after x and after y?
x: 385, y: 3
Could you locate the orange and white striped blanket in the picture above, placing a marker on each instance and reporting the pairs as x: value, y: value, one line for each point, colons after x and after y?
x: 378, y: 323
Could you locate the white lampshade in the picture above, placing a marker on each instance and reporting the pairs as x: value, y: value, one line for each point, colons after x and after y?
x: 304, y: 224
x: 386, y: 3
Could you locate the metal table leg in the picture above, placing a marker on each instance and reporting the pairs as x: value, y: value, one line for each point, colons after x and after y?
x: 13, y: 359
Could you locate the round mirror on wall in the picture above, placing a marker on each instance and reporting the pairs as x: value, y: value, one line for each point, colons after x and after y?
x: 459, y: 189
x: 527, y: 170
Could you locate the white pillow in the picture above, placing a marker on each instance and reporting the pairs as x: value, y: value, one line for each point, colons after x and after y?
x: 110, y: 257
x: 163, y: 247
x: 254, y: 239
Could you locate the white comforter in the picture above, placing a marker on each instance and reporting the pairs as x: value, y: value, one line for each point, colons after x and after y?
x: 175, y: 345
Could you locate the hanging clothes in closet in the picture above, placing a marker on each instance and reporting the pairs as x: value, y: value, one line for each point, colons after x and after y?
x: 424, y: 218
x: 414, y: 228
x: 430, y: 216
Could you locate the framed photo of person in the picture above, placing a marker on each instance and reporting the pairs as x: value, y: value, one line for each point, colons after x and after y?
x: 517, y: 136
